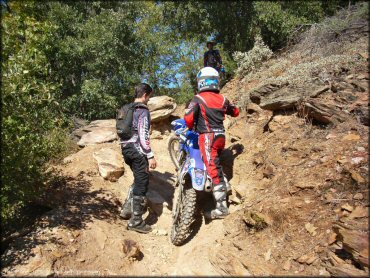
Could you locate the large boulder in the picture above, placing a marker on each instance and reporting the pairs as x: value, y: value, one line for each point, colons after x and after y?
x: 98, y: 136
x: 161, y: 107
x: 110, y: 123
x: 110, y: 163
x: 97, y: 132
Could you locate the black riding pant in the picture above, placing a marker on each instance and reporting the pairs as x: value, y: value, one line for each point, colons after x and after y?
x: 139, y: 166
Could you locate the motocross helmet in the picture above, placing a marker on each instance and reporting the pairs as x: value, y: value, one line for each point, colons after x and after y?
x: 208, y: 80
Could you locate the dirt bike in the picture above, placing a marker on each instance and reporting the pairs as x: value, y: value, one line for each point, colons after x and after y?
x: 191, y: 177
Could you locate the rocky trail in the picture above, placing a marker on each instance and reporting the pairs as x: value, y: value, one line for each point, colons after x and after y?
x: 85, y: 236
x: 297, y: 159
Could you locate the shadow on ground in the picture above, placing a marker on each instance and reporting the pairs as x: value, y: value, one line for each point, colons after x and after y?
x: 73, y: 205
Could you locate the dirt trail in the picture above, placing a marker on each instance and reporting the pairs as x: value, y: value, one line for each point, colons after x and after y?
x: 85, y: 236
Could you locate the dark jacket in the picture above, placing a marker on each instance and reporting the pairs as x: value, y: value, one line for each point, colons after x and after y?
x: 212, y: 58
x: 141, y: 137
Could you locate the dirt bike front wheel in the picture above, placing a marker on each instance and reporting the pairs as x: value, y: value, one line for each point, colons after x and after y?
x: 176, y: 154
x: 184, y: 214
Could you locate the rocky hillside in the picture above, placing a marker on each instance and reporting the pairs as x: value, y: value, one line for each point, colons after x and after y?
x: 298, y: 162
x: 304, y: 164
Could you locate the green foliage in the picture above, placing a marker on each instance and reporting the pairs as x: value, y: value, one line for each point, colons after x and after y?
x: 32, y: 131
x: 92, y: 102
x: 252, y: 60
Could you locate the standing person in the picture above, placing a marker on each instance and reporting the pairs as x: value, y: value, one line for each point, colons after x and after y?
x: 206, y: 113
x: 212, y: 57
x: 138, y: 155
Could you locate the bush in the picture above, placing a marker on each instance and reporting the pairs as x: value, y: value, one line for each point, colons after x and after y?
x: 33, y: 127
x: 92, y: 103
x: 252, y: 60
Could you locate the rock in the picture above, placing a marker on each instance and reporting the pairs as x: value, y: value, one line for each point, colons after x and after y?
x: 305, y: 185
x: 98, y: 136
x: 321, y: 111
x: 268, y: 255
x: 359, y: 212
x: 362, y: 76
x: 320, y: 91
x: 355, y: 242
x: 159, y: 232
x: 332, y: 238
x: 253, y: 108
x: 311, y: 229
x: 351, y: 137
x: 268, y: 172
x: 324, y: 272
x: 287, y: 265
x: 346, y: 270
x: 311, y: 259
x: 110, y: 163
x: 234, y: 199
x: 362, y: 114
x: 307, y: 258
x: 131, y: 249
x: 240, y: 190
x: 360, y: 86
x: 358, y: 196
x: 357, y: 160
x: 161, y: 107
x: 279, y: 121
x: 347, y: 207
x: 302, y: 259
x: 255, y: 220
x: 357, y: 177
x: 280, y: 103
x: 110, y: 123
x: 228, y: 264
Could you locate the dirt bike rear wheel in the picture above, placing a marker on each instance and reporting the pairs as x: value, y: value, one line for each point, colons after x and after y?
x: 184, y: 214
x: 175, y: 154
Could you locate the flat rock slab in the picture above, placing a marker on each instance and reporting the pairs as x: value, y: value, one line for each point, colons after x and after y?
x: 98, y: 136
x: 161, y: 107
x: 110, y: 123
x: 110, y: 163
x: 280, y: 103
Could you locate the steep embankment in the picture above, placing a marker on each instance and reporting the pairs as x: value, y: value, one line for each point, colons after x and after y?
x: 298, y: 162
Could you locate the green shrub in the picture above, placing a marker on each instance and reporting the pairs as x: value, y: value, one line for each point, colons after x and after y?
x: 32, y: 123
x: 92, y: 102
x: 252, y: 60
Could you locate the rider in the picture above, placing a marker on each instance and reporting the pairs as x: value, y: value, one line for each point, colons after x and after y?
x: 139, y: 156
x: 212, y: 57
x: 206, y: 112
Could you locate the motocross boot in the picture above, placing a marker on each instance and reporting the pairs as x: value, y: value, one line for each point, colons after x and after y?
x: 136, y: 222
x: 127, y: 206
x: 221, y: 210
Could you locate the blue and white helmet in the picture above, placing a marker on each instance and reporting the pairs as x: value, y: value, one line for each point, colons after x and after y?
x: 208, y: 79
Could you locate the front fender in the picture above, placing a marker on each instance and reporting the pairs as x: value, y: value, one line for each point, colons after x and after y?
x: 197, y: 176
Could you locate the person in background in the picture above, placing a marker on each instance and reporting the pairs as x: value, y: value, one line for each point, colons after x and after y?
x: 212, y: 57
